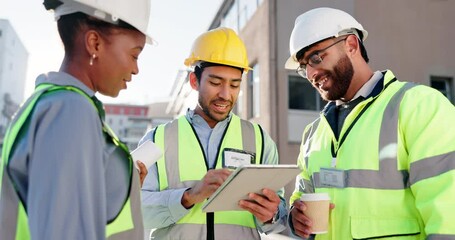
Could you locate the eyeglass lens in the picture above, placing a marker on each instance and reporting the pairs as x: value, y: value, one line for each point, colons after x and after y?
x: 314, y: 59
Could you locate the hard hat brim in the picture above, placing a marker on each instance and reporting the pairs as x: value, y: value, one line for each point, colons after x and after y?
x: 291, y: 64
x: 102, y: 12
x: 191, y: 62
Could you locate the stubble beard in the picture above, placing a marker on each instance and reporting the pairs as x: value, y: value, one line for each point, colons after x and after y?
x: 205, y: 108
x: 341, y: 76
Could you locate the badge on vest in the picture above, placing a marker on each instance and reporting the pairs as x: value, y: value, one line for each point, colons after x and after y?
x: 331, y: 177
x: 233, y: 158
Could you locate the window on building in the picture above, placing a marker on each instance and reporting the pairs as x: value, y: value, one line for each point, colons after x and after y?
x: 303, y: 96
x: 444, y: 85
x: 254, y: 94
x: 246, y: 9
x: 240, y: 13
x: 230, y: 19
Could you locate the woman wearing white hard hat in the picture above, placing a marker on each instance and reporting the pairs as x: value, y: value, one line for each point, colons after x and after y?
x: 373, y: 148
x: 64, y: 173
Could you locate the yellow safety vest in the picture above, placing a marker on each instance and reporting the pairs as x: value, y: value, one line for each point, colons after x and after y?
x: 394, y: 183
x: 183, y: 163
x: 124, y: 226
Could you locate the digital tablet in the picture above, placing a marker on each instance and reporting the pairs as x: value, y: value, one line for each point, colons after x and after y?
x: 246, y: 179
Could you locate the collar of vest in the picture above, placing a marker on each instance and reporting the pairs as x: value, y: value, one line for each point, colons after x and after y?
x: 387, y: 77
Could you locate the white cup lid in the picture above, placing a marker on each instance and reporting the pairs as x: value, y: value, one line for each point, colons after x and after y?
x: 315, y: 197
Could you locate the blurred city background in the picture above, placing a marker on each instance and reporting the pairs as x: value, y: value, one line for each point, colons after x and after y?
x: 413, y: 38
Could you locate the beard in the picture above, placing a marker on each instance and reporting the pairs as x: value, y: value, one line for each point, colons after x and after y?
x: 341, y: 76
x: 217, y: 117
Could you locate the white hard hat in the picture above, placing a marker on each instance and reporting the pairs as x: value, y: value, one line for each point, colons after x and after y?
x: 319, y: 24
x: 134, y: 12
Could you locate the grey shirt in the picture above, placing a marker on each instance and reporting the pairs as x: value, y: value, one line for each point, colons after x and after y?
x: 73, y: 180
x: 163, y: 208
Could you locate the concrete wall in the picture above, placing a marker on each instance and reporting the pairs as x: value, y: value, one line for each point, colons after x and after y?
x: 257, y: 41
x: 13, y: 66
x: 412, y: 38
x: 13, y: 62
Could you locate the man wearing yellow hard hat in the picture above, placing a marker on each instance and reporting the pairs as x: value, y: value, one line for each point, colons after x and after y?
x: 194, y: 144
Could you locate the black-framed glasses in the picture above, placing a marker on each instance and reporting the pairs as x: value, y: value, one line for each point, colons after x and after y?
x: 314, y: 59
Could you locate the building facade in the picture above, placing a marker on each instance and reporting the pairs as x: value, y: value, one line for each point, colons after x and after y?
x: 182, y: 95
x: 13, y: 68
x: 129, y: 122
x: 159, y: 114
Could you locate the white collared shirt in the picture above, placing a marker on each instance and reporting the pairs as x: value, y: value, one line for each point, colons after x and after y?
x: 366, y: 89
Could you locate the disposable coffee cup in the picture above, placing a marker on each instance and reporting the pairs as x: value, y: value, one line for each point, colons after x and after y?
x: 317, y: 209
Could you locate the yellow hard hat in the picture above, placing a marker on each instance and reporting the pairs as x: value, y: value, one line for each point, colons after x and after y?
x: 221, y: 45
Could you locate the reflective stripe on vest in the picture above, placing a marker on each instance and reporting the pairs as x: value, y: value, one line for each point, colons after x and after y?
x: 121, y: 227
x: 385, y: 194
x: 184, y: 163
x: 387, y: 177
x: 441, y: 237
x: 304, y: 184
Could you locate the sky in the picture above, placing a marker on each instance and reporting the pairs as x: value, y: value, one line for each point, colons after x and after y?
x: 174, y: 24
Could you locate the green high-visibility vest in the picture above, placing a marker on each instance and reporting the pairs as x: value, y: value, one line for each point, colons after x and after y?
x: 183, y: 163
x: 395, y: 159
x: 122, y: 227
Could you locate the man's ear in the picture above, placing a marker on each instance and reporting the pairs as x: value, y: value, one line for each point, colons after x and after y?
x: 352, y: 44
x: 194, y: 82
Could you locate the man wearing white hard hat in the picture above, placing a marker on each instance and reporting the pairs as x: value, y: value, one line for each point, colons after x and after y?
x: 380, y: 148
x: 64, y: 174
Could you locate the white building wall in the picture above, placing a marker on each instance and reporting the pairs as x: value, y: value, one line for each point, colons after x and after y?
x: 118, y: 123
x: 13, y: 68
x: 130, y: 129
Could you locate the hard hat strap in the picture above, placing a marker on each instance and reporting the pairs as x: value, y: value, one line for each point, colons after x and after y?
x: 51, y: 4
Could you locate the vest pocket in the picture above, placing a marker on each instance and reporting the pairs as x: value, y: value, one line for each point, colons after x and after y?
x: 384, y: 228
